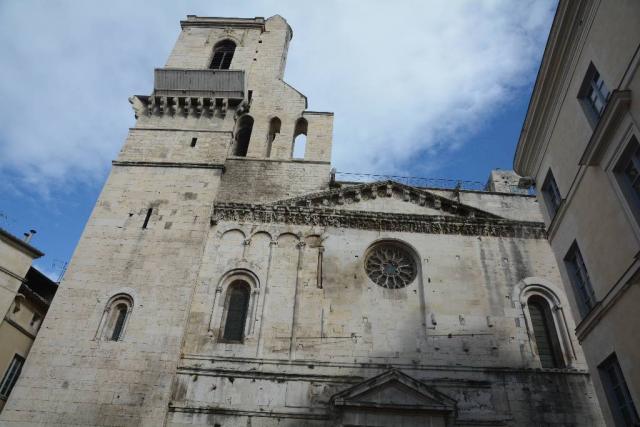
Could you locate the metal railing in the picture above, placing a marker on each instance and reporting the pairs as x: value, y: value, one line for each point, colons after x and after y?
x: 216, y: 83
x: 438, y: 183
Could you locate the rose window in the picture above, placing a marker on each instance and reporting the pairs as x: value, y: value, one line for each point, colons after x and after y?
x: 390, y: 266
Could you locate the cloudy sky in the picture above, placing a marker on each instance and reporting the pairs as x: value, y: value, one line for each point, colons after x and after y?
x: 424, y: 88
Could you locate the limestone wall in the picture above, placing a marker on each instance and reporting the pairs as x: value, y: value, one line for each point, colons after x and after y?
x: 460, y: 326
x: 71, y: 377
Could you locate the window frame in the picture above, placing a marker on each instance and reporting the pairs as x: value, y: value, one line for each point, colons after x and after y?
x: 593, y: 86
x: 10, y: 379
x: 235, y: 283
x: 110, y: 318
x: 551, y: 195
x: 551, y: 331
x: 629, y: 155
x: 222, y: 47
x: 244, y: 127
x: 301, y: 128
x: 581, y: 282
x: 608, y: 368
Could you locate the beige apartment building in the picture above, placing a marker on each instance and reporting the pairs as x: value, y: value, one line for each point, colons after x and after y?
x: 25, y: 296
x: 580, y: 146
x: 228, y: 278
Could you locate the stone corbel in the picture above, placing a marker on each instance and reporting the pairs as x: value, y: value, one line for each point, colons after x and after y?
x: 139, y: 107
x: 224, y: 106
x: 152, y: 104
x: 162, y: 106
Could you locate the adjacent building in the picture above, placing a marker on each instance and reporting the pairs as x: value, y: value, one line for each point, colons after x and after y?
x: 25, y: 296
x: 580, y: 146
x: 226, y: 278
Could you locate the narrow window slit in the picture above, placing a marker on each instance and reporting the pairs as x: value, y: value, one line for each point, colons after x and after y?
x: 146, y: 219
x: 193, y: 142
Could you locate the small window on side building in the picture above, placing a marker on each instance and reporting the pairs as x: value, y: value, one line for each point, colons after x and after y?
x: 551, y: 195
x: 627, y: 172
x: 11, y: 376
x: 593, y: 95
x: 620, y: 402
x: 579, y: 276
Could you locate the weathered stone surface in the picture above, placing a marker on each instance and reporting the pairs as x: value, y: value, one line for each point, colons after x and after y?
x: 455, y: 341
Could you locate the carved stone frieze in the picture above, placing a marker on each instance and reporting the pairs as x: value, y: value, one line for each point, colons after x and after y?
x: 185, y: 106
x: 329, y: 217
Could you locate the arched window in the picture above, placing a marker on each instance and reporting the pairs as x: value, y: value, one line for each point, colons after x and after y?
x: 236, y: 307
x: 115, y: 317
x: 243, y: 135
x: 222, y: 55
x: 274, y: 129
x: 544, y: 333
x: 300, y: 139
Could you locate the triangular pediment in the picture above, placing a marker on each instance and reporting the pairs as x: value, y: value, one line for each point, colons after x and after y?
x: 386, y: 197
x: 395, y: 390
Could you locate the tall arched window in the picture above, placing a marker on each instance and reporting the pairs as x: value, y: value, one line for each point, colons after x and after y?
x: 236, y: 307
x: 115, y: 317
x: 274, y: 129
x: 300, y: 139
x: 243, y: 135
x: 222, y: 55
x: 544, y: 333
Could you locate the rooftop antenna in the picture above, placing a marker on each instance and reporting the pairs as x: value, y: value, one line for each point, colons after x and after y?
x: 29, y: 235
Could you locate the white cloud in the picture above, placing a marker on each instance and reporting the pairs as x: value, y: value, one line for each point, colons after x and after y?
x: 402, y: 77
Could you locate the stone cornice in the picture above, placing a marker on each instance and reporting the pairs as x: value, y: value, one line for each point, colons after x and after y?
x: 355, y: 193
x: 185, y: 106
x: 328, y: 217
x: 168, y: 164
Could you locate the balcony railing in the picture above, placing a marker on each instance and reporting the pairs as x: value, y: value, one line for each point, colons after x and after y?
x: 208, y: 83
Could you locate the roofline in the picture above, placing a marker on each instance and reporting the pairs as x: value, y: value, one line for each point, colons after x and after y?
x: 542, y: 69
x: 20, y: 244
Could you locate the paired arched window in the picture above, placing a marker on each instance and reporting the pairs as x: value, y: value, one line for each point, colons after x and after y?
x: 236, y: 308
x: 115, y: 317
x: 299, y: 139
x: 545, y: 333
x: 222, y: 55
x: 274, y: 129
x: 243, y: 135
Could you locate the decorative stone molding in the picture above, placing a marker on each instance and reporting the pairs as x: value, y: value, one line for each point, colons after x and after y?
x: 329, y: 217
x: 185, y: 106
x: 368, y: 191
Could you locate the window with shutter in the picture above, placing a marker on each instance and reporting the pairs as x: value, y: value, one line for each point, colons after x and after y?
x: 544, y: 333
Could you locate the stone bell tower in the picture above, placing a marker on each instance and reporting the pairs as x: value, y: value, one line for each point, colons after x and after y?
x: 219, y: 125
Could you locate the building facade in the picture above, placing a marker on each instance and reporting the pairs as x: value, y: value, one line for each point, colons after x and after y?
x: 25, y: 296
x: 226, y: 278
x: 579, y: 144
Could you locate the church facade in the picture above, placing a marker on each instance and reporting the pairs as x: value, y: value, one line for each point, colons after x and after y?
x: 226, y: 279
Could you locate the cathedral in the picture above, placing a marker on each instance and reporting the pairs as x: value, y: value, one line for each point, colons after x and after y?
x: 227, y: 278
